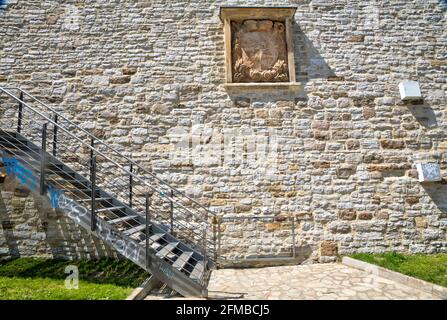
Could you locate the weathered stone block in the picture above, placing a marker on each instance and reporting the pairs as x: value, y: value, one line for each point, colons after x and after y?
x: 356, y: 38
x: 328, y: 248
x: 412, y: 200
x: 321, y: 164
x: 369, y: 112
x: 120, y: 79
x: 420, y: 222
x: 273, y: 226
x: 321, y: 135
x: 345, y: 171
x: 392, y: 144
x: 347, y: 214
x: 352, y: 144
x: 320, y: 125
x: 129, y: 70
x: 364, y: 215
x: 339, y: 227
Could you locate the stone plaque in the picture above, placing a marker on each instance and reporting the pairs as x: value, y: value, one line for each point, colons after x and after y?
x: 428, y: 172
x: 259, y: 51
x: 258, y: 47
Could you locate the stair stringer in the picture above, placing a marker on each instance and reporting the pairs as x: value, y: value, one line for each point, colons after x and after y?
x: 123, y: 244
x: 126, y: 246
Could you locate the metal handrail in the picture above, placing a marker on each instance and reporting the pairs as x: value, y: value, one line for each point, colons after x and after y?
x: 203, y: 217
x: 102, y: 143
x: 113, y: 161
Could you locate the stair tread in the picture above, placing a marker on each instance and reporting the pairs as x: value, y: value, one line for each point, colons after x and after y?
x: 122, y: 219
x: 96, y: 199
x: 157, y: 236
x: 183, y: 260
x: 153, y: 238
x: 110, y: 209
x: 197, y: 272
x: 167, y: 249
x: 134, y: 230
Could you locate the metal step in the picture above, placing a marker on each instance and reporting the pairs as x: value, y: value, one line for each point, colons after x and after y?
x: 197, y: 272
x: 123, y: 219
x: 156, y: 236
x: 153, y: 238
x: 96, y: 199
x: 182, y: 260
x: 77, y: 190
x: 155, y: 245
x: 167, y: 249
x: 110, y: 209
x: 134, y: 230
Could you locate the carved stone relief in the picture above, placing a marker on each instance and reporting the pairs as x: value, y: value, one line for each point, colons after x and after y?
x: 259, y: 51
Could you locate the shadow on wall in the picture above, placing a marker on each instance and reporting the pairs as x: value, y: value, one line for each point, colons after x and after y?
x: 309, y: 65
x: 438, y: 193
x: 443, y: 4
x: 423, y: 113
x: 10, y: 247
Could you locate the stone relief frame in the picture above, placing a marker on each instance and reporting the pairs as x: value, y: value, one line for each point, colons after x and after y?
x: 259, y: 52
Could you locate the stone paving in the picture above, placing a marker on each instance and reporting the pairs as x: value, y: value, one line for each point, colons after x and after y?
x: 317, y: 281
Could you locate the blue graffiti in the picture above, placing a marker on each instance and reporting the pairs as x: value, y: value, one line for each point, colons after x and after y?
x: 166, y: 271
x: 55, y: 195
x: 25, y: 176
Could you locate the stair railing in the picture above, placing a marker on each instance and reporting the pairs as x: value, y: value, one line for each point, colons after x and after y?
x: 182, y: 215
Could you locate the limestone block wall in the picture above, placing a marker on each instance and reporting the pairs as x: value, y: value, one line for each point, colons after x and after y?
x: 142, y: 75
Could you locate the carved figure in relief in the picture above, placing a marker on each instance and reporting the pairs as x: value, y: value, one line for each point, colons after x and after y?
x: 259, y: 51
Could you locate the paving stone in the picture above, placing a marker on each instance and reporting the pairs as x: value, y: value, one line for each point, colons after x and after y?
x: 320, y: 281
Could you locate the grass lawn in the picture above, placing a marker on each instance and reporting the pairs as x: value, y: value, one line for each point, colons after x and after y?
x: 44, y: 279
x: 431, y: 268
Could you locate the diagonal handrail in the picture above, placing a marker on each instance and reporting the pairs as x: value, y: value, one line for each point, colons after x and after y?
x: 176, y: 197
x: 129, y: 160
x: 196, y: 217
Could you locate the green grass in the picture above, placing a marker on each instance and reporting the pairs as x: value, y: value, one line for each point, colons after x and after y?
x: 431, y: 268
x: 44, y: 279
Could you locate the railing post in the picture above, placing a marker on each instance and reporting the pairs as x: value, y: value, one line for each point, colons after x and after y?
x: 205, y: 262
x: 55, y: 136
x: 130, y: 185
x: 219, y: 235
x: 20, y: 114
x: 92, y: 144
x: 148, y: 217
x: 293, y: 237
x: 43, y: 159
x: 215, y: 223
x: 171, y: 214
x: 93, y: 194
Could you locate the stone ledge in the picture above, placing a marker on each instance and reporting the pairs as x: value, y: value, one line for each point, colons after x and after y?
x: 397, y: 277
x: 263, y: 86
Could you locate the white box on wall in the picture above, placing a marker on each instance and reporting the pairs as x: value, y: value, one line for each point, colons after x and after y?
x: 428, y: 172
x: 409, y: 90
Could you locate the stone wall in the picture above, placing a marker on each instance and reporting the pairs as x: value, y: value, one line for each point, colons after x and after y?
x: 29, y: 227
x: 134, y: 72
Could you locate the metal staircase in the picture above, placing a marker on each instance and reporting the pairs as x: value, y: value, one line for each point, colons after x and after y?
x: 97, y: 185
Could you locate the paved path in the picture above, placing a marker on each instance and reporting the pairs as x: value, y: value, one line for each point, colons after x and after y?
x: 317, y: 281
x: 303, y: 282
